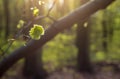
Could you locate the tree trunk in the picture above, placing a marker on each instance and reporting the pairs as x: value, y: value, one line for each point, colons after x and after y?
x: 7, y: 18
x: 63, y: 23
x: 105, y: 36
x: 82, y: 43
x: 107, y: 29
x: 33, y: 66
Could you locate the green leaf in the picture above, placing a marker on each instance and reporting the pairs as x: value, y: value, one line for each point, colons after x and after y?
x: 35, y: 11
x: 36, y: 31
x: 20, y: 24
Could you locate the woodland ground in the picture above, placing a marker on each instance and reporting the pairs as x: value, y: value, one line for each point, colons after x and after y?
x: 106, y: 72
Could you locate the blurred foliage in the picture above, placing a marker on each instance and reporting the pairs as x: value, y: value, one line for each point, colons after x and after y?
x: 66, y: 54
x: 61, y: 50
x: 112, y: 18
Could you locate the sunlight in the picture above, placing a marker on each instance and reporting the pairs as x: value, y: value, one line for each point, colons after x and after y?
x: 61, y: 2
x: 50, y: 2
x: 41, y: 2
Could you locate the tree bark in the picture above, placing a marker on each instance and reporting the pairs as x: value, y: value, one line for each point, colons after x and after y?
x: 6, y: 12
x: 107, y: 30
x: 33, y: 66
x: 105, y: 36
x: 82, y: 43
x: 63, y: 23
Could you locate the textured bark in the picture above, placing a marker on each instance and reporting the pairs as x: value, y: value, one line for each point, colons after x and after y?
x: 63, y: 23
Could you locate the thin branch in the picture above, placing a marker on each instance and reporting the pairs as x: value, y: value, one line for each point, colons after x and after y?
x: 51, y: 7
x: 54, y: 20
x: 2, y: 52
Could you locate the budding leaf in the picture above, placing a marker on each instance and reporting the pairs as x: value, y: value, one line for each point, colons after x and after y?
x: 41, y: 3
x: 20, y: 24
x: 35, y: 11
x: 36, y: 31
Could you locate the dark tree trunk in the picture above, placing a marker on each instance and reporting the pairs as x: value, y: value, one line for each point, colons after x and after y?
x: 33, y: 66
x: 82, y: 43
x: 105, y: 36
x: 63, y: 23
x: 7, y: 18
x: 107, y: 29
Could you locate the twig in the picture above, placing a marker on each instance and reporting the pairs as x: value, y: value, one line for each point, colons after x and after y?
x: 51, y: 7
x: 52, y: 18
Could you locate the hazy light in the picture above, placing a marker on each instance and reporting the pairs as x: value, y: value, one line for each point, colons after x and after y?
x: 61, y: 1
x: 41, y: 2
x: 85, y: 24
x: 50, y: 3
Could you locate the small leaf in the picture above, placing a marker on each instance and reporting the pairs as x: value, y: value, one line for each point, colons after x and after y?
x: 20, y: 24
x: 41, y: 3
x: 35, y: 11
x: 36, y: 31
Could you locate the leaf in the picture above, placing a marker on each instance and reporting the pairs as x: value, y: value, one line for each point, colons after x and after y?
x: 36, y: 31
x: 35, y: 11
x: 41, y: 3
x: 20, y: 24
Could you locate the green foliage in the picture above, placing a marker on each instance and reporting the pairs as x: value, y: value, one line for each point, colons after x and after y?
x: 36, y: 31
x: 35, y: 11
x: 60, y: 51
x: 100, y: 56
x: 20, y: 24
x: 112, y: 22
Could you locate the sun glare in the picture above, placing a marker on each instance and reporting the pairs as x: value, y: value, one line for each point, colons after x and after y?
x: 61, y: 1
x: 41, y: 2
x: 50, y: 2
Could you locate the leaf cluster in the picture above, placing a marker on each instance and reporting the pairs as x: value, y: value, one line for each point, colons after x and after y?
x: 36, y: 31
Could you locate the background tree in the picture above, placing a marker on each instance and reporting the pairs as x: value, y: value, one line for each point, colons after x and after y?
x: 7, y: 17
x: 82, y: 43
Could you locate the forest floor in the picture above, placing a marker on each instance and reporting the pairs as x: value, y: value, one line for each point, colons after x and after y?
x: 76, y: 75
x: 69, y: 73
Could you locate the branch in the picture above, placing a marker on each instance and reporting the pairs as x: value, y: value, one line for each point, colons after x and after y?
x: 51, y: 7
x: 63, y: 23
